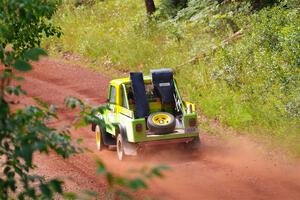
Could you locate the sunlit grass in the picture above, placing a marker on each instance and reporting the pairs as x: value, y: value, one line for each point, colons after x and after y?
x: 119, y: 35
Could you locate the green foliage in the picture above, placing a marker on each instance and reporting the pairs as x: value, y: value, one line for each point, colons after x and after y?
x: 24, y: 131
x: 84, y: 2
x: 120, y: 185
x: 266, y: 69
x: 23, y: 23
x: 169, y: 8
x: 87, y: 114
x: 218, y: 17
x: 258, y: 4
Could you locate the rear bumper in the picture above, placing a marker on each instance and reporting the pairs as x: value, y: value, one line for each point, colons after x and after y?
x: 178, y: 134
x: 167, y: 141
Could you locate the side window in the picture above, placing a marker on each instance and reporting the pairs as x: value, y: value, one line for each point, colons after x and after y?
x: 124, y: 97
x: 112, y: 95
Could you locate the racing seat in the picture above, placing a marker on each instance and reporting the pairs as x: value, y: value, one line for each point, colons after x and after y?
x: 139, y: 95
x: 162, y: 80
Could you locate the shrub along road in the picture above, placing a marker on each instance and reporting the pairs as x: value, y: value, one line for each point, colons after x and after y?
x: 236, y: 168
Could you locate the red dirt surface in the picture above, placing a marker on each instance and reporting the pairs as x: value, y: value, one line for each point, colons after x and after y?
x: 231, y: 169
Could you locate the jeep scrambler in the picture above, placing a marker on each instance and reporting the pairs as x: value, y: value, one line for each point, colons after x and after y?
x: 146, y: 110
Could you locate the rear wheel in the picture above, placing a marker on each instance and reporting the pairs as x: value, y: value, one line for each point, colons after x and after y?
x: 120, y: 147
x: 99, y: 138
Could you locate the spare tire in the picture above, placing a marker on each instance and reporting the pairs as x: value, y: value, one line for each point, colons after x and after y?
x: 161, y: 122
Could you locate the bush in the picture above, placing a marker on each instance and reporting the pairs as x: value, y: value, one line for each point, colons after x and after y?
x: 264, y: 66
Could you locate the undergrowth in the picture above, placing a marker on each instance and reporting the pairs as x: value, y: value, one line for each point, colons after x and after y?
x: 239, y: 64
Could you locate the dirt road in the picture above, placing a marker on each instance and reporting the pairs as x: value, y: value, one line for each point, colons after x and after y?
x: 231, y: 169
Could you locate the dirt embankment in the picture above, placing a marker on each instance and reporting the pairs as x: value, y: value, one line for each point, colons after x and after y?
x: 234, y: 169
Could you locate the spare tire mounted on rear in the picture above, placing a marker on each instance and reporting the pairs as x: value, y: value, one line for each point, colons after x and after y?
x: 161, y: 122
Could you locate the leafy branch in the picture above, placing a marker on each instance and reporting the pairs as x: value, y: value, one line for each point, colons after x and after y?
x: 120, y: 186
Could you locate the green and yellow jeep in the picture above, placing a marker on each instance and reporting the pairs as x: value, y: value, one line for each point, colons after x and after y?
x: 146, y: 110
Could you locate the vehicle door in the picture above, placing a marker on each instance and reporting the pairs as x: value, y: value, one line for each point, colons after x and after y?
x: 111, y: 109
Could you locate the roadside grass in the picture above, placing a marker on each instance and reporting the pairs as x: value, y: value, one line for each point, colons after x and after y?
x: 249, y: 85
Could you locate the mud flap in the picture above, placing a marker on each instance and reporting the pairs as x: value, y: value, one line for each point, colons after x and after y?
x: 129, y: 148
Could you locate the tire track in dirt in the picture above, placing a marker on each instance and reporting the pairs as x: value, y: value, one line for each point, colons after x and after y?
x: 232, y: 169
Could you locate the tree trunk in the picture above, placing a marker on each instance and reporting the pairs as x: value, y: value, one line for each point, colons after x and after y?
x: 150, y: 6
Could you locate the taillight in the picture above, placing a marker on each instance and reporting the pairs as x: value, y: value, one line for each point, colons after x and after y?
x: 192, y: 122
x: 138, y: 127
